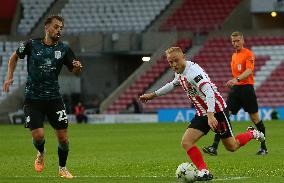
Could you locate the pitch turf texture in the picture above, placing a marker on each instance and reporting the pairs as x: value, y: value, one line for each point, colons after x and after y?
x: 136, y: 153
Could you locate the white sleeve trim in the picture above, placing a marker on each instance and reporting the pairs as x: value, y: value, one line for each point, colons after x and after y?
x: 210, y: 97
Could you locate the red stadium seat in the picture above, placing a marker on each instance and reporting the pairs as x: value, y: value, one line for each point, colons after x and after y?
x: 188, y: 17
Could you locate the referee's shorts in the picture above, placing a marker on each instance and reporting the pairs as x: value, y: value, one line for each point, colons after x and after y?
x: 242, y: 96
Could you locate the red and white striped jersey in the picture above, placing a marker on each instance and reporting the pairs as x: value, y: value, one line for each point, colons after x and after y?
x: 199, y: 88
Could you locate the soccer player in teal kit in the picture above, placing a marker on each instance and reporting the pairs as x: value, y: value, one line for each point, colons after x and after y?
x: 45, y: 58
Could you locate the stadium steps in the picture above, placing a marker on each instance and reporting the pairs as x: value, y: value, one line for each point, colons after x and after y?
x: 276, y: 54
x: 55, y: 9
x: 136, y: 74
x: 239, y: 18
x: 270, y: 93
x: 143, y: 82
x: 172, y: 7
x: 33, y: 10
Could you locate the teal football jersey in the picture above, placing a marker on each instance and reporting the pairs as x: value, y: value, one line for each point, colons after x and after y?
x: 44, y: 64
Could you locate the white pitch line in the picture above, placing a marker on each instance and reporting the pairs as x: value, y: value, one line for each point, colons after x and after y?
x: 230, y: 178
x: 90, y: 176
x: 122, y: 176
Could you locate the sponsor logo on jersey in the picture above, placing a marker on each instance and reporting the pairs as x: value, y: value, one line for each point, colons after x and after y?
x: 39, y: 53
x: 198, y: 78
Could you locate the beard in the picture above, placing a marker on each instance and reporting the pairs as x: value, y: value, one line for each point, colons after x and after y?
x: 55, y: 37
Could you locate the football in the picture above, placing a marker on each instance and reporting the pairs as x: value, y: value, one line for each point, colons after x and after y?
x: 186, y: 172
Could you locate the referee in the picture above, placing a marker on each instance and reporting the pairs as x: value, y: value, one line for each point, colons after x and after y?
x: 242, y: 94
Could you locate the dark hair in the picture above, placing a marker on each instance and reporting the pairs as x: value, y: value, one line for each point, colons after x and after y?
x: 49, y: 19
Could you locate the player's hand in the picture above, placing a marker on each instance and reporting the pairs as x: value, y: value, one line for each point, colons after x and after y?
x: 6, y: 84
x: 77, y: 67
x: 77, y: 64
x: 148, y: 96
x: 231, y: 82
x: 212, y: 121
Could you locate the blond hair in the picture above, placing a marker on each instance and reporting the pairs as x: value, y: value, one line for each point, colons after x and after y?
x: 237, y: 33
x: 173, y: 49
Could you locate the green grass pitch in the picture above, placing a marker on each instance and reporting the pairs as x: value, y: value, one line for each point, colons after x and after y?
x: 136, y: 153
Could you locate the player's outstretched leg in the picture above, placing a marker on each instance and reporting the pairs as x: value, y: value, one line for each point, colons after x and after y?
x: 256, y: 134
x: 232, y: 144
x: 190, y: 137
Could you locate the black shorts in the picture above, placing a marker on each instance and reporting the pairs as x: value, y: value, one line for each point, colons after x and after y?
x: 37, y: 110
x: 224, y: 126
x: 242, y: 96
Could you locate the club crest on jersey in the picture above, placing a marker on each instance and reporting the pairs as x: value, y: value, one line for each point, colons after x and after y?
x: 22, y: 48
x: 57, y: 54
x: 239, y: 67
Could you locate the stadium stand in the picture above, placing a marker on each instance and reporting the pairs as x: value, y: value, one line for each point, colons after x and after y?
x: 33, y: 10
x: 271, y: 92
x: 200, y: 16
x: 110, y: 15
x: 144, y: 82
x: 215, y: 58
x: 20, y: 74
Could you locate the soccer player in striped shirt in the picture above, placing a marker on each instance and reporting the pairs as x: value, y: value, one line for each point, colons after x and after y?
x: 211, y: 111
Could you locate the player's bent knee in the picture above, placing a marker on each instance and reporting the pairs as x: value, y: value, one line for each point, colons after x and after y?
x: 62, y: 137
x: 186, y: 144
x: 38, y: 137
x: 63, y: 140
x: 38, y: 140
x: 231, y: 148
